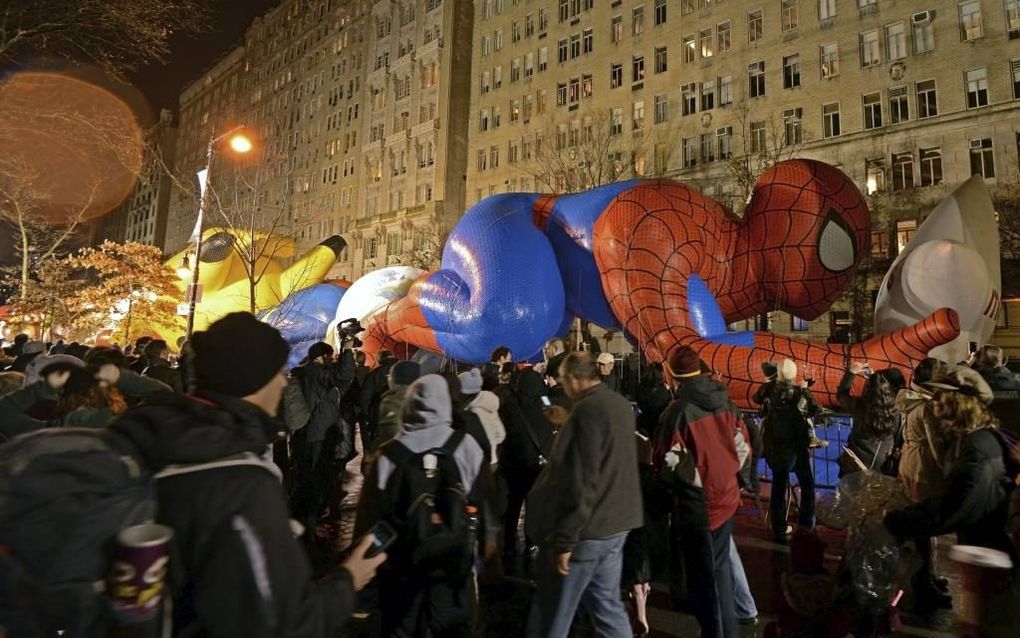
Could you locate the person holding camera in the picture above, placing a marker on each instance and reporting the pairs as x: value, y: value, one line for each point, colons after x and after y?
x: 324, y: 446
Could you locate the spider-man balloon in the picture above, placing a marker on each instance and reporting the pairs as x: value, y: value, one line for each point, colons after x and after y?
x: 667, y: 265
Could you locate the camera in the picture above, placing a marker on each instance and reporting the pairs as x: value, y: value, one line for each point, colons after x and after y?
x: 347, y: 331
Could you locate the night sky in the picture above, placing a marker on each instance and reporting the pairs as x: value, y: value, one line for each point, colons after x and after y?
x: 193, y: 54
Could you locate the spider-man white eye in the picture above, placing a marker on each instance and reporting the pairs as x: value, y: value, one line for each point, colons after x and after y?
x: 836, y: 248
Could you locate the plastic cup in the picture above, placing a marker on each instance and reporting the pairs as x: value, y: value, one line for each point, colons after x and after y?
x: 984, y: 575
x: 137, y: 579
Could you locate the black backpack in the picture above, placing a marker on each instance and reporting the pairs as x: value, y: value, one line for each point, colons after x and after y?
x: 784, y: 421
x: 65, y: 493
x: 427, y: 498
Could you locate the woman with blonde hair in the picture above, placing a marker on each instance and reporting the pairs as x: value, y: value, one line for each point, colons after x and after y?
x: 975, y: 503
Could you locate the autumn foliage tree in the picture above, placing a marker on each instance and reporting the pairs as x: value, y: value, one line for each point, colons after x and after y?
x: 109, y: 286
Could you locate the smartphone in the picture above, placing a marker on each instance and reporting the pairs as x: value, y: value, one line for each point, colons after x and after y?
x: 546, y: 402
x: 973, y: 347
x: 383, y: 535
x: 641, y: 436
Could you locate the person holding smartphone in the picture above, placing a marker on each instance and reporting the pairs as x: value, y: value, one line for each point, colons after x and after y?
x: 876, y: 421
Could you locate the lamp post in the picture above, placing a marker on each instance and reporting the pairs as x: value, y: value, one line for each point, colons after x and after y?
x: 240, y: 144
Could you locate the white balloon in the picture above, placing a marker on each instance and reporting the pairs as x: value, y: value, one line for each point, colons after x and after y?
x: 375, y: 290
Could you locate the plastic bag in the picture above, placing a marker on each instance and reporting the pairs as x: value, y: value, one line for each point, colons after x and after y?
x: 877, y: 566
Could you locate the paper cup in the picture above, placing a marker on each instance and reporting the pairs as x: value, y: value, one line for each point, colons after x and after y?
x: 984, y: 574
x: 136, y: 581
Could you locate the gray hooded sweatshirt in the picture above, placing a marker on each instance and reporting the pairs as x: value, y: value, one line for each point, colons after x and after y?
x: 426, y: 425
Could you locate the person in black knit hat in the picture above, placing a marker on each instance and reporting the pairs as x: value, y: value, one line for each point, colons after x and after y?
x: 236, y: 568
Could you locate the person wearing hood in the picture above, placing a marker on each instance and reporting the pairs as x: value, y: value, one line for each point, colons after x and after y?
x: 413, y: 603
x: 72, y: 394
x: 589, y: 499
x: 924, y: 465
x: 702, y: 444
x: 320, y: 450
x: 391, y: 406
x: 974, y: 504
x: 236, y: 569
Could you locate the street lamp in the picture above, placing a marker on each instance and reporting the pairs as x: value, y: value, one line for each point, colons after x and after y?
x: 184, y: 270
x: 239, y: 143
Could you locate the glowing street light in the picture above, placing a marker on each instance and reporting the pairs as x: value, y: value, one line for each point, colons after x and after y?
x: 184, y: 270
x: 239, y: 143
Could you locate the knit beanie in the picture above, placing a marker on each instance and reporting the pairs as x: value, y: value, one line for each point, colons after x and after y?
x: 684, y: 362
x: 319, y: 349
x: 237, y: 355
x: 768, y: 369
x: 470, y: 381
x: 404, y: 373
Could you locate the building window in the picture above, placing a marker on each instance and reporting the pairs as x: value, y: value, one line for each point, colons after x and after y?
x: 660, y: 60
x: 661, y: 109
x: 830, y: 60
x: 1013, y: 21
x: 905, y: 229
x: 902, y: 171
x: 638, y: 120
x: 372, y: 248
x: 638, y: 20
x: 791, y: 15
x: 706, y: 41
x: 791, y: 71
x: 707, y: 147
x: 830, y: 120
x: 1014, y: 69
x: 869, y: 49
x: 982, y: 159
x: 754, y: 26
x: 722, y: 40
x: 927, y: 99
x: 661, y: 158
x: 724, y: 142
x: 875, y: 170
x: 660, y: 12
x: 688, y: 99
x: 689, y: 46
x: 587, y: 86
x: 977, y: 88
x: 561, y: 93
x: 615, y: 76
x: 896, y: 41
x: 561, y: 49
x: 880, y: 244
x: 756, y: 132
x: 638, y: 68
x: 564, y: 10
x: 575, y: 90
x: 575, y: 46
x: 931, y: 166
x: 826, y: 9
x: 793, y: 129
x: 899, y: 105
x: 799, y: 325
x: 588, y: 38
x: 690, y: 146
x: 970, y: 20
x: 725, y: 90
x: 872, y: 111
x: 707, y: 95
x: 616, y: 122
x: 924, y: 36
x: 756, y: 79
x: 543, y: 59
x: 616, y: 29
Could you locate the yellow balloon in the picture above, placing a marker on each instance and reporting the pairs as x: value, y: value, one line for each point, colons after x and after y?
x: 229, y: 255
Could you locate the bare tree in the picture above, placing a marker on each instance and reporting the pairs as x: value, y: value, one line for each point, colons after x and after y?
x: 113, y: 34
x: 591, y: 150
x: 765, y: 140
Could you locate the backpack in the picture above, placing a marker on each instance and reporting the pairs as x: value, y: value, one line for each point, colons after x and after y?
x: 784, y: 422
x: 429, y: 510
x: 296, y: 411
x: 64, y: 495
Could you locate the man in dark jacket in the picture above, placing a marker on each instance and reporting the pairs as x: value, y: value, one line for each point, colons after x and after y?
x: 606, y: 363
x: 159, y: 366
x: 236, y: 569
x: 991, y: 366
x: 587, y: 500
x: 138, y: 361
x: 702, y: 444
x: 325, y: 445
x: 372, y: 388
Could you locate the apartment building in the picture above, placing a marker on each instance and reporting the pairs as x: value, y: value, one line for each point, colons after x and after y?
x: 414, y: 145
x: 358, y: 112
x: 908, y: 97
